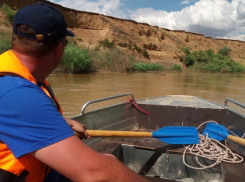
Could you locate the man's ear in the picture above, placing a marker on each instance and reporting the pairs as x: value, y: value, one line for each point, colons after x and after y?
x: 59, y: 50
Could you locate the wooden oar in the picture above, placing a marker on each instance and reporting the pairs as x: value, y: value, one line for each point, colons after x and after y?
x: 220, y: 132
x: 169, y: 134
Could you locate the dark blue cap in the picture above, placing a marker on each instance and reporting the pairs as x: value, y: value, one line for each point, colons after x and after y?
x: 47, y: 21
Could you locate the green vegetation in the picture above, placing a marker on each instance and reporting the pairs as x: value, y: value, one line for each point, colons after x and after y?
x: 145, y: 67
x: 77, y: 60
x: 9, y: 12
x: 113, y: 60
x: 224, y: 51
x: 144, y: 52
x: 5, y: 43
x: 106, y: 43
x: 138, y: 49
x: 208, y: 61
x: 176, y: 67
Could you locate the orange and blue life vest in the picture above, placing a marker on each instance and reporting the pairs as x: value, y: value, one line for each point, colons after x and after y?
x: 26, y: 165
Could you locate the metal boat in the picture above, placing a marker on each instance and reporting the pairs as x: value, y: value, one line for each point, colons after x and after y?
x: 155, y: 160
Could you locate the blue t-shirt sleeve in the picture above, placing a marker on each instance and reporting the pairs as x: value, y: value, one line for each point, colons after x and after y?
x: 29, y: 120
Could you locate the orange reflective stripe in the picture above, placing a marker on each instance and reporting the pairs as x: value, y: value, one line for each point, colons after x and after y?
x: 7, y: 163
x: 11, y: 65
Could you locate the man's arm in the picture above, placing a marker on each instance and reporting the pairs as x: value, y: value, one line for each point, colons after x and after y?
x: 73, y: 159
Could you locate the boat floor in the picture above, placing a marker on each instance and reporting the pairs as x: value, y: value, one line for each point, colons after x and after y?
x: 230, y: 172
x: 111, y: 144
x: 180, y: 101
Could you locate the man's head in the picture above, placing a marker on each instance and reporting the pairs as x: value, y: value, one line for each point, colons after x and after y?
x: 37, y: 28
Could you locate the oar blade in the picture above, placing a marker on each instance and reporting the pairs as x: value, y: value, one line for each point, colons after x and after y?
x: 177, y: 135
x: 215, y: 131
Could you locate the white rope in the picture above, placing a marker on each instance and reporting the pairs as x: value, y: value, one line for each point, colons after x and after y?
x: 210, y: 149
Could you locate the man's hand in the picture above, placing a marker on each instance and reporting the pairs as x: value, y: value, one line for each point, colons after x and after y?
x: 79, y: 128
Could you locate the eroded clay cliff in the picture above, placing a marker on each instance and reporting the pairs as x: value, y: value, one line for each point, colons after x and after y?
x: 162, y: 45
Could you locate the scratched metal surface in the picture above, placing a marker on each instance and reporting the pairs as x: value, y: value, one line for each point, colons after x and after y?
x: 164, y: 111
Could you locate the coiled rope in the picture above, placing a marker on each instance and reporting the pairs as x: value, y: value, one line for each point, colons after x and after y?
x: 210, y: 149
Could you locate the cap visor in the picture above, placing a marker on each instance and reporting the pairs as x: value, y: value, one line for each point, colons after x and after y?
x: 70, y: 33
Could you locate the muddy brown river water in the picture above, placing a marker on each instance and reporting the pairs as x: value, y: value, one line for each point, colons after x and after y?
x: 73, y: 91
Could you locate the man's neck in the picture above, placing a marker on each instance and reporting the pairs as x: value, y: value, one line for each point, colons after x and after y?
x: 33, y: 64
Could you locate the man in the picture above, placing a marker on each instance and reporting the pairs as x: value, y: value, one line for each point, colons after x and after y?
x: 34, y: 136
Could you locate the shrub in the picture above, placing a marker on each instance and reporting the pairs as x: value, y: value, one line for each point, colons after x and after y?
x: 224, y: 51
x: 77, y: 60
x: 208, y: 61
x: 138, y: 49
x: 144, y: 67
x: 209, y: 53
x: 201, y: 56
x: 9, y: 12
x: 145, y: 54
x: 131, y: 58
x: 114, y: 60
x: 97, y: 48
x: 217, y: 65
x: 189, y: 60
x: 211, y: 67
x: 106, y: 43
x: 176, y: 67
x: 129, y: 46
x: 186, y: 50
x: 5, y: 43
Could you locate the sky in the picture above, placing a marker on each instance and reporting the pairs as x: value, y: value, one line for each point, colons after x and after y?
x: 212, y: 18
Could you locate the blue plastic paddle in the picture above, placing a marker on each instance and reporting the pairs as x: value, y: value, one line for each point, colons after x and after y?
x: 220, y: 132
x: 169, y: 134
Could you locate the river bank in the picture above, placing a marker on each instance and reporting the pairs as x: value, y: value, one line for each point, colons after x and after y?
x: 107, y: 54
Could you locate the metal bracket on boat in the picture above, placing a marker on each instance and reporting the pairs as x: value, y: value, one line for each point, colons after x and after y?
x: 234, y: 102
x: 167, y: 156
x: 103, y: 99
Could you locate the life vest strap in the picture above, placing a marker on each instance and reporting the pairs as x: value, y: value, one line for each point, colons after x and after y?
x: 6, y: 176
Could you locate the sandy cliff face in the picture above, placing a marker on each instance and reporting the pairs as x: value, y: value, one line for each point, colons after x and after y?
x: 163, y: 45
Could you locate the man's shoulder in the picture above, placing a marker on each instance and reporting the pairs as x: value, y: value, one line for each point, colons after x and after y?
x: 14, y: 80
x: 14, y: 83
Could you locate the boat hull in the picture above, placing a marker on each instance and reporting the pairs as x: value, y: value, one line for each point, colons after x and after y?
x: 152, y: 158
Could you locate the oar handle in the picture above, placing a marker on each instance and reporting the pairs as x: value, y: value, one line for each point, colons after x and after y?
x: 109, y: 133
x: 236, y: 139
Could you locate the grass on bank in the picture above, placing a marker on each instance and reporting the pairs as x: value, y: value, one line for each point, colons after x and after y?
x: 208, y: 61
x: 145, y: 67
x: 176, y: 68
x: 5, y: 43
x: 8, y: 12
